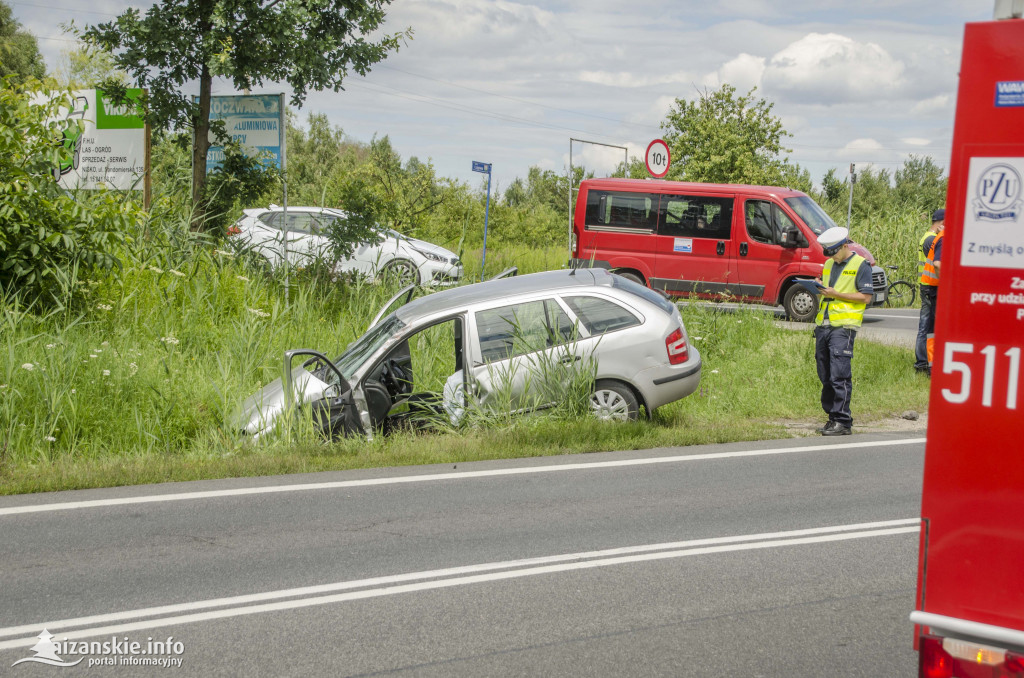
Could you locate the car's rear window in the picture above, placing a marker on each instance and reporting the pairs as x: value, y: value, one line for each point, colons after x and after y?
x: 645, y: 293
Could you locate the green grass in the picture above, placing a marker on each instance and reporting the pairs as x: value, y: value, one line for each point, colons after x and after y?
x: 135, y: 386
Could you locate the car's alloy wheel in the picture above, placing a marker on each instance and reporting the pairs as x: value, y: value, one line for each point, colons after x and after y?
x: 612, y: 401
x: 401, y: 271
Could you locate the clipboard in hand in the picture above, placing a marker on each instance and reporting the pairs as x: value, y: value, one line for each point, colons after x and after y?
x: 812, y: 286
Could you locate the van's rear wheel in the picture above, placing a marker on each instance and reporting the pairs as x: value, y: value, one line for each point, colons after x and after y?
x: 629, y: 275
x: 801, y: 306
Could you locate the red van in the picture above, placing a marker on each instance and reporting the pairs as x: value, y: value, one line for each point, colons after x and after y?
x: 746, y: 243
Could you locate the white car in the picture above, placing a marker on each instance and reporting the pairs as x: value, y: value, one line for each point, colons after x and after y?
x: 409, y: 260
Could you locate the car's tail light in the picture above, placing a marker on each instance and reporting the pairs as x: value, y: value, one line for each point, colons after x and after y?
x: 949, y: 657
x: 675, y: 345
x: 234, y: 230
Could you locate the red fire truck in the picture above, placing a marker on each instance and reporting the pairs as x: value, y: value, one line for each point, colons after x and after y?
x: 969, y: 619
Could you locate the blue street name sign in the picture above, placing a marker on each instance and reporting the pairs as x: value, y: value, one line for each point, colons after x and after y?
x: 484, y: 167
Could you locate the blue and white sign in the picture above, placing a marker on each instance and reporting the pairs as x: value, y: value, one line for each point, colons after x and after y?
x: 253, y: 120
x: 484, y: 167
x: 684, y: 245
x: 1010, y: 93
x: 993, y: 235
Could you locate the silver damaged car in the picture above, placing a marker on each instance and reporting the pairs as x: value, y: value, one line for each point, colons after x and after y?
x: 485, y: 345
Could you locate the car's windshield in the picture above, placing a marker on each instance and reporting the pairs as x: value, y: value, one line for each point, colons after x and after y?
x: 815, y: 217
x: 362, y: 348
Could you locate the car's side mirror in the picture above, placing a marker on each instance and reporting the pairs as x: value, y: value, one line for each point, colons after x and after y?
x: 791, y: 238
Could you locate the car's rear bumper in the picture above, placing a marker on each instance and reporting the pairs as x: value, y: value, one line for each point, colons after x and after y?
x: 668, y: 383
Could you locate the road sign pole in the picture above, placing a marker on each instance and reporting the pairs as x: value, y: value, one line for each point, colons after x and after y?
x: 483, y: 167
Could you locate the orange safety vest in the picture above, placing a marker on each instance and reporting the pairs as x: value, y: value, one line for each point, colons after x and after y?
x: 930, y: 275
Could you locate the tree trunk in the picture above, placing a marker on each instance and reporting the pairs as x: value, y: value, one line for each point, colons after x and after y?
x: 200, y: 146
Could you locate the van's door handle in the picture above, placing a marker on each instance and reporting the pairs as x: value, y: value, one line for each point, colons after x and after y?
x: 743, y: 249
x: 721, y: 247
x: 566, y: 359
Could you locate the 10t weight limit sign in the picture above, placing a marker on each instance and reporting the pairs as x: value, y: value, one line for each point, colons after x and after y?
x: 657, y: 159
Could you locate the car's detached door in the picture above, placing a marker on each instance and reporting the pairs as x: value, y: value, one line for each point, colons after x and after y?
x: 518, y: 357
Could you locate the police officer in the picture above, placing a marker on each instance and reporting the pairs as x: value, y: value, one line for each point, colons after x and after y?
x: 928, y: 287
x: 848, y: 290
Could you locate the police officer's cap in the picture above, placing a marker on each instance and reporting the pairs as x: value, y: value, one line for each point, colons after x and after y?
x: 832, y: 239
x: 938, y: 215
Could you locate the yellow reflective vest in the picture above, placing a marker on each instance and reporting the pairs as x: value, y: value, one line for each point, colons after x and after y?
x: 842, y: 313
x: 930, y: 275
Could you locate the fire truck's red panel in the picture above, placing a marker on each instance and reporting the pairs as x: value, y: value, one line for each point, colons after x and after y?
x: 973, y: 502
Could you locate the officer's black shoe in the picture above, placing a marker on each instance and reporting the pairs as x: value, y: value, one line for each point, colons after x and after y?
x: 826, y: 427
x: 837, y: 429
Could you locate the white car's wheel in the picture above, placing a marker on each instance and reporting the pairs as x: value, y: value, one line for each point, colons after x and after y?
x: 401, y: 271
x: 613, y: 401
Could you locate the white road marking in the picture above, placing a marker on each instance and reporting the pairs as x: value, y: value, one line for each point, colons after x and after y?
x: 456, y: 576
x: 212, y: 494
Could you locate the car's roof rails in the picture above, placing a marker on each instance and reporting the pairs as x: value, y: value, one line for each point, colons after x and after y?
x: 508, y: 272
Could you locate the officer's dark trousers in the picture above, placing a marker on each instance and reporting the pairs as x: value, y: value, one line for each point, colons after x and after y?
x: 925, y: 325
x: 833, y: 353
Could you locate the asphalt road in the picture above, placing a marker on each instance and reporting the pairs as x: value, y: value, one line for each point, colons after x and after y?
x: 787, y: 558
x: 896, y: 326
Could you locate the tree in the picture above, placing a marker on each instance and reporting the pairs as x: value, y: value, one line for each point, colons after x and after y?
x: 722, y: 137
x: 19, y: 51
x: 85, y: 67
x: 920, y: 183
x: 309, y: 44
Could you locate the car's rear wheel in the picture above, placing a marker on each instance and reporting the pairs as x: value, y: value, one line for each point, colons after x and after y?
x: 613, y: 401
x: 800, y: 304
x: 401, y: 272
x: 629, y: 275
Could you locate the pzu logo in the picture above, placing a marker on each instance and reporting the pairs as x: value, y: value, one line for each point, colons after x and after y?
x: 997, y: 194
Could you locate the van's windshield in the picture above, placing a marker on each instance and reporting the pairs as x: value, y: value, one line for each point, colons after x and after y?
x: 816, y: 218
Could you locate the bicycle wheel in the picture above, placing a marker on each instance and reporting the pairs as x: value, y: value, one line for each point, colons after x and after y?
x: 901, y: 295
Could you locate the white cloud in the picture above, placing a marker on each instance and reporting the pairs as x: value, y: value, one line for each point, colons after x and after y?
x: 938, y: 105
x: 832, y: 68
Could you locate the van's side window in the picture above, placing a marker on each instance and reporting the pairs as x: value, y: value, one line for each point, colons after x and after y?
x: 684, y: 216
x: 766, y: 221
x: 616, y: 210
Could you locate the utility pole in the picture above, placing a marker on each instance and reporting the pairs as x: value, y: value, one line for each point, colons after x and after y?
x: 849, y: 208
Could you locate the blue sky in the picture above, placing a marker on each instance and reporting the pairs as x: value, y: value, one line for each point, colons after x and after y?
x: 510, y: 83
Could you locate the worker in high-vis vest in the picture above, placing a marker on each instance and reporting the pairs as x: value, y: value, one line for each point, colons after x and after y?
x: 930, y: 278
x: 926, y: 321
x: 847, y: 290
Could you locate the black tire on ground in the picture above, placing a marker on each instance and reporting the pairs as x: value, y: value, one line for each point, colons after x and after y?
x: 901, y: 295
x: 801, y: 306
x: 402, y: 271
x: 613, y: 401
x: 635, y: 277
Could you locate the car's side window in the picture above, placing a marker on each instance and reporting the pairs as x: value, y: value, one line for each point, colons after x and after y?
x: 300, y: 222
x: 614, y: 210
x: 695, y: 217
x: 759, y: 221
x: 519, y: 329
x: 268, y: 218
x: 600, y: 315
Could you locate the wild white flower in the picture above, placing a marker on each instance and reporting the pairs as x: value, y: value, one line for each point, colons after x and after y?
x: 50, y: 439
x: 169, y: 340
x: 156, y: 270
x: 177, y: 273
x: 93, y: 355
x: 259, y: 312
x: 51, y: 346
x: 696, y: 338
x: 28, y: 366
x: 226, y: 254
x: 104, y: 307
x: 242, y: 278
x: 740, y: 322
x: 105, y: 343
x: 73, y: 391
x: 106, y: 373
x: 714, y: 371
x: 133, y: 367
x: 3, y: 386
